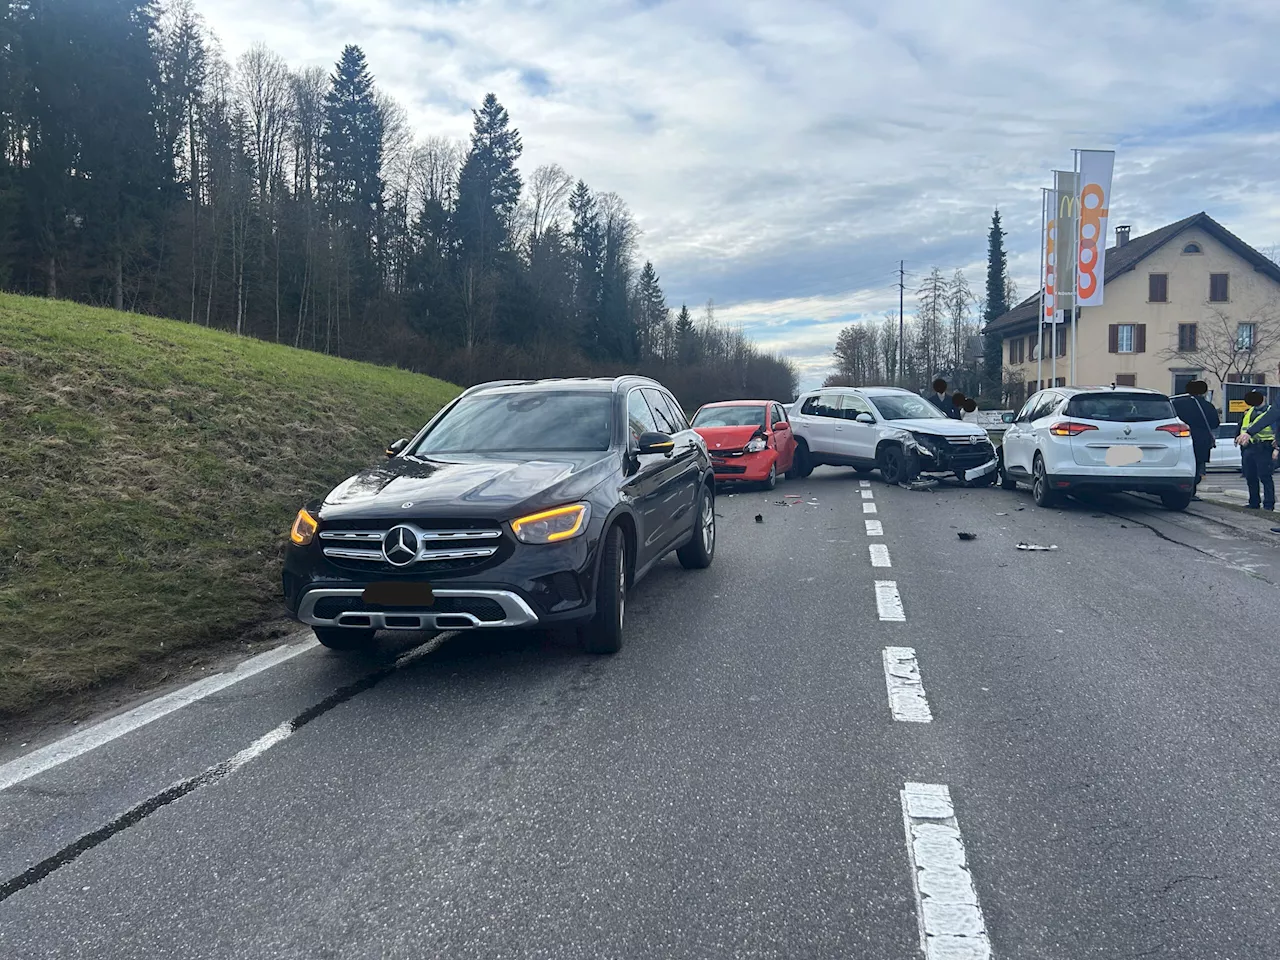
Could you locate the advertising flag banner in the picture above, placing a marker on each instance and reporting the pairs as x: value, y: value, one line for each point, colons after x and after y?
x: 1096, y: 167
x: 1066, y: 220
x: 1049, y: 243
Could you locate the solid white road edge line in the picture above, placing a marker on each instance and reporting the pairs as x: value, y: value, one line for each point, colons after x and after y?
x: 888, y: 602
x: 68, y: 748
x: 868, y: 507
x: 951, y: 922
x: 867, y: 494
x: 907, y: 700
x: 874, y: 528
x: 879, y: 555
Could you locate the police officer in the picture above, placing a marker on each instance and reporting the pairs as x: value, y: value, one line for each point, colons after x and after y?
x: 1258, y: 453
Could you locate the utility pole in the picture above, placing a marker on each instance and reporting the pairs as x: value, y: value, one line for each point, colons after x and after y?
x: 902, y: 341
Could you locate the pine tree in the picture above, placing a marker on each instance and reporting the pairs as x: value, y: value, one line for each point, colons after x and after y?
x: 351, y: 150
x: 998, y: 285
x: 588, y: 255
x: 488, y: 186
x: 686, y: 337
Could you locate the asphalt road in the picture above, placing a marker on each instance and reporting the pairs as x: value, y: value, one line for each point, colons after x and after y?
x: 729, y: 784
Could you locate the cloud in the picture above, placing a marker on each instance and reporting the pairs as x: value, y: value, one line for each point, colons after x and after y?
x: 782, y: 158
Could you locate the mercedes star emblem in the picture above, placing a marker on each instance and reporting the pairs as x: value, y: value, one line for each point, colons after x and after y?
x: 400, y: 546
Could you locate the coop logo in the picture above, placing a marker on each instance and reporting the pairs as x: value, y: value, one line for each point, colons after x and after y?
x: 1092, y: 217
x: 1050, y: 271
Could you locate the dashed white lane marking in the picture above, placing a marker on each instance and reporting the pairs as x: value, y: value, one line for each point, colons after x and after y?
x: 950, y: 917
x: 879, y: 555
x: 68, y: 748
x: 868, y: 507
x: 888, y: 602
x: 867, y: 494
x: 874, y: 528
x: 906, y: 690
x: 864, y: 483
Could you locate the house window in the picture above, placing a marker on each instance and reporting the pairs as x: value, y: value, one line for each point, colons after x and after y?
x: 1180, y: 381
x: 1126, y: 379
x: 1033, y: 344
x: 1245, y: 333
x: 1017, y: 350
x: 1062, y: 341
x: 1187, y: 338
x: 1158, y: 288
x: 1060, y: 382
x: 1218, y: 288
x: 1192, y: 248
x: 1258, y: 379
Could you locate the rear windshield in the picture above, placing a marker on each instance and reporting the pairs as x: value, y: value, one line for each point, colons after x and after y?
x: 745, y: 415
x: 544, y: 421
x: 1120, y: 407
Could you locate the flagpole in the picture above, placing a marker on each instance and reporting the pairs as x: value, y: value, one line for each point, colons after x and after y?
x: 1075, y: 271
x: 1058, y: 260
x: 1040, y: 318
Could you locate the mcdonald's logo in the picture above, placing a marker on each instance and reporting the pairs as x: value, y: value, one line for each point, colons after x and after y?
x: 1066, y: 207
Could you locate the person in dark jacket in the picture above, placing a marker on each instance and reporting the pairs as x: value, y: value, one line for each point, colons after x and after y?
x: 940, y: 399
x: 1258, y: 449
x: 1198, y: 414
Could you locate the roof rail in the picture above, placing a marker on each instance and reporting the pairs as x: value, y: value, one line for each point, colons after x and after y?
x: 496, y: 383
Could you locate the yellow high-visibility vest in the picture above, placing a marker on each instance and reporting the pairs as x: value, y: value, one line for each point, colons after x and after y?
x: 1256, y: 413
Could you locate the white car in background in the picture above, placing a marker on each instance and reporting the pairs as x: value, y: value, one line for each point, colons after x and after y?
x: 889, y: 429
x: 1067, y: 440
x: 1226, y: 455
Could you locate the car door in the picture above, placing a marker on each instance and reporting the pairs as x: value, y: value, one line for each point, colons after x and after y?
x: 644, y: 486
x: 857, y: 441
x: 784, y: 440
x: 683, y: 490
x: 808, y: 425
x: 826, y: 422
x: 1017, y: 454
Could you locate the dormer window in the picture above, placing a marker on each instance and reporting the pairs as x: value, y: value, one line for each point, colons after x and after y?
x: 1192, y: 248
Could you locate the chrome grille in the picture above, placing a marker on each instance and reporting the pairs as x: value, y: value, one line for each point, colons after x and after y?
x: 449, y: 547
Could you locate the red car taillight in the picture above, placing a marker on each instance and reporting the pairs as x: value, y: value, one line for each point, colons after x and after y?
x: 1177, y: 429
x: 1069, y: 428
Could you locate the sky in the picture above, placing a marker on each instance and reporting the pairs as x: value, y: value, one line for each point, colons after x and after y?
x: 781, y: 158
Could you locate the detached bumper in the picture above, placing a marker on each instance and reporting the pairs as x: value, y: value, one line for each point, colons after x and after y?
x: 966, y: 462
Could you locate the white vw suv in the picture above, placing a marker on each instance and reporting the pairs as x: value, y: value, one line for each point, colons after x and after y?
x: 1117, y: 439
x: 889, y: 429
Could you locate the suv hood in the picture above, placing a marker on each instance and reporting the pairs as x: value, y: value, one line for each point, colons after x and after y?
x: 939, y: 428
x: 490, y: 487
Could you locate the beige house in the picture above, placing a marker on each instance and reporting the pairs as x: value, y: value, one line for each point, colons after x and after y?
x: 1188, y: 301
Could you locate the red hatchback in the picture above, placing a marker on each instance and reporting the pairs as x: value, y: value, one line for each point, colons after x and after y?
x: 749, y: 440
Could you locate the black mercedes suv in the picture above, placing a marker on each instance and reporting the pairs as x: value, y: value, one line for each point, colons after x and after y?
x: 521, y: 504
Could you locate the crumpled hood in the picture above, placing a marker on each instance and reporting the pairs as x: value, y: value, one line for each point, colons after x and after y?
x: 939, y: 427
x: 727, y: 438
x: 481, y: 486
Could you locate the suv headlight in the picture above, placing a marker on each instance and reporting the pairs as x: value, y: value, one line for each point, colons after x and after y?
x: 928, y: 442
x: 755, y: 445
x: 552, y: 526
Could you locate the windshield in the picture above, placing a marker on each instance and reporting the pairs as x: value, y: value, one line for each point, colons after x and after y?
x: 744, y: 415
x: 1120, y: 407
x: 551, y: 421
x: 906, y: 407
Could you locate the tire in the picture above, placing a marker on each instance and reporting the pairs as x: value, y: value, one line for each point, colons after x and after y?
x: 1175, y: 501
x: 771, y: 480
x: 603, y: 632
x: 1043, y: 495
x: 801, y: 463
x: 345, y: 639
x: 893, y: 465
x: 1006, y: 481
x: 698, y: 553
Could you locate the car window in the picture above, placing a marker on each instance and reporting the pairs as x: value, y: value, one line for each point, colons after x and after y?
x: 906, y: 406
x: 1024, y: 415
x: 1048, y: 403
x: 523, y: 421
x: 810, y: 406
x: 735, y: 415
x: 640, y: 418
x: 677, y: 412
x: 779, y: 415
x: 666, y: 420
x: 851, y: 405
x: 1121, y: 407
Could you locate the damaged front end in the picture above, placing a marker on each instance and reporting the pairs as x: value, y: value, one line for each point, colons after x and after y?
x: 967, y: 458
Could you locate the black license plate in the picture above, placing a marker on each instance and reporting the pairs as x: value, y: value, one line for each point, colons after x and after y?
x: 399, y: 594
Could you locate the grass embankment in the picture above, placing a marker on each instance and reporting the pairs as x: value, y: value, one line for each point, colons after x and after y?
x: 149, y: 471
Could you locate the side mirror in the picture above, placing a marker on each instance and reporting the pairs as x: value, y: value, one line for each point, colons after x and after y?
x: 866, y: 418
x: 1006, y: 418
x: 781, y: 425
x: 653, y: 442
x: 396, y: 447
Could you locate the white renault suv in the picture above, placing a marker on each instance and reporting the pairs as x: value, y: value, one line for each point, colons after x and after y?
x: 1117, y: 439
x: 889, y: 429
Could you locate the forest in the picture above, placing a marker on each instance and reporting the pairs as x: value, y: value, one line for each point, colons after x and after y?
x: 142, y: 169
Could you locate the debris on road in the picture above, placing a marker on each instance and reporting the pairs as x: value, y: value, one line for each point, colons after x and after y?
x: 759, y: 518
x: 919, y: 485
x: 1001, y: 514
x: 967, y: 536
x: 1035, y: 546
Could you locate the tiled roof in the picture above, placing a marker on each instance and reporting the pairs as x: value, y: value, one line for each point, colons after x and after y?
x: 1121, y: 260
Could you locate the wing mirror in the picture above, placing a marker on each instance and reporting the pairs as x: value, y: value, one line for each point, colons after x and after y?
x: 865, y: 418
x: 654, y: 442
x: 781, y: 425
x: 1006, y: 418
x: 396, y: 447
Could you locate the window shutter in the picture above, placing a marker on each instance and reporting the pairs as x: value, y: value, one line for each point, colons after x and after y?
x: 1140, y: 338
x: 1113, y: 338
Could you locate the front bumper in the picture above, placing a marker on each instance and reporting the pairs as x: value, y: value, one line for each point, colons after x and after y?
x: 745, y: 467
x: 465, y: 613
x: 965, y: 462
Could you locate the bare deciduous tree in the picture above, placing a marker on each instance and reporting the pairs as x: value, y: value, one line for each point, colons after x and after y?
x: 1232, y: 343
x: 548, y: 198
